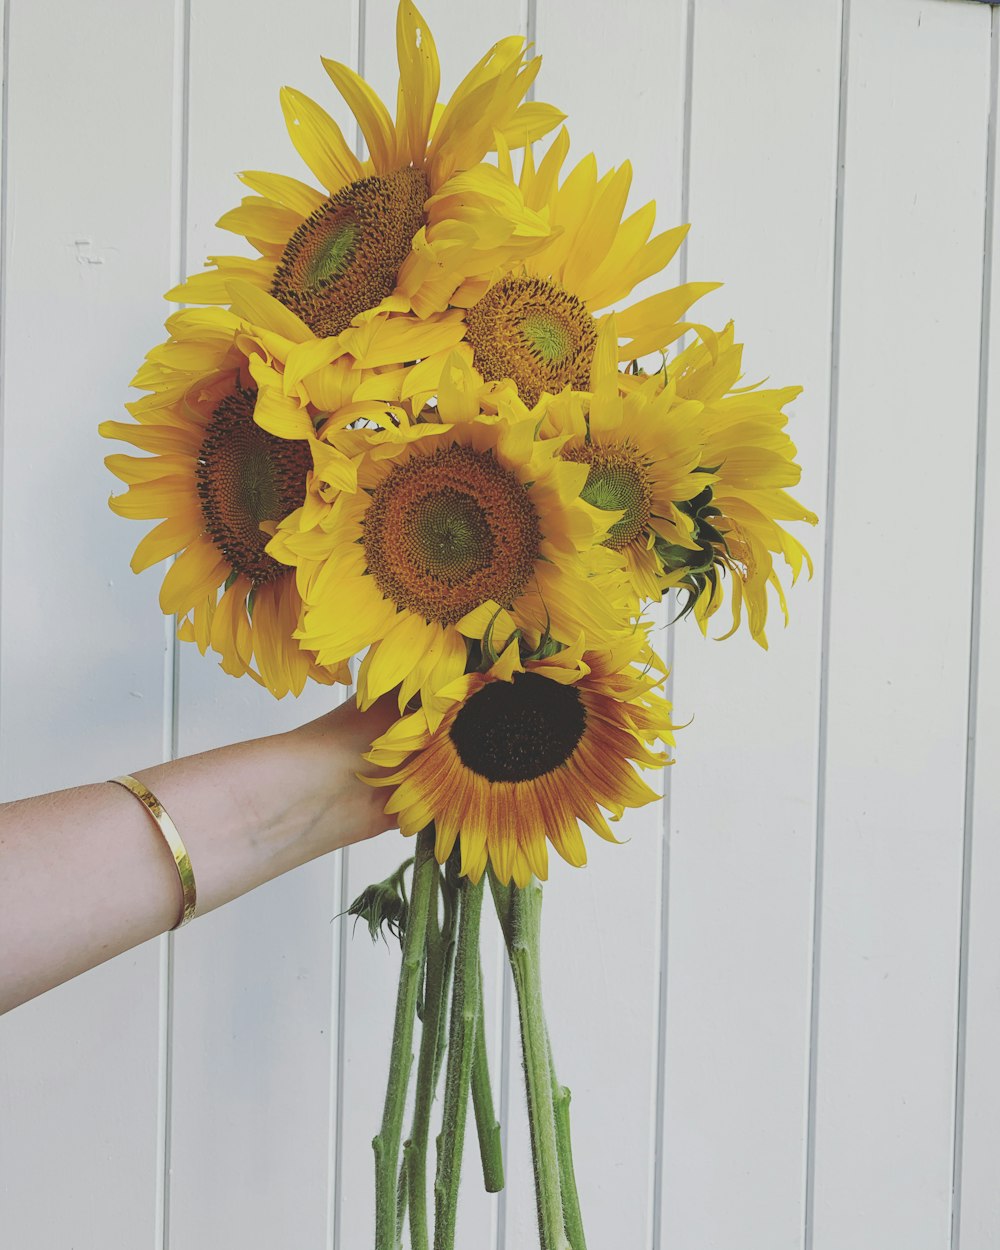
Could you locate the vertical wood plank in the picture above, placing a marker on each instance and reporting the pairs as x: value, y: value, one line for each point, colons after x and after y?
x: 976, y: 1221
x: 254, y: 985
x: 619, y: 74
x: 88, y: 234
x: 372, y: 971
x: 761, y: 195
x: 899, y: 646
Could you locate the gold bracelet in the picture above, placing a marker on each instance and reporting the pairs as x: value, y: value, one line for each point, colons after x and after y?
x: 172, y: 838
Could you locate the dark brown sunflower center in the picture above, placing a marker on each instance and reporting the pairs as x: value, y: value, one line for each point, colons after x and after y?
x: 448, y: 531
x: 345, y: 257
x: 246, y: 476
x: 536, y: 334
x: 519, y: 730
x: 618, y: 481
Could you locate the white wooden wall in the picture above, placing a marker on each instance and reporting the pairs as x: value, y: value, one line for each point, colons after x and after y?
x: 778, y: 1006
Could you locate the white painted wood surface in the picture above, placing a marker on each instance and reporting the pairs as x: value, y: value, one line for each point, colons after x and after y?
x: 809, y: 1059
x: 88, y: 235
x: 894, y: 763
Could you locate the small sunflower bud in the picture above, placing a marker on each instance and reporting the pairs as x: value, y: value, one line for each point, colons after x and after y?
x: 384, y: 905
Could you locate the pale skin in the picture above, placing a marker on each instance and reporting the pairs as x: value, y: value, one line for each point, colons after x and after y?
x: 85, y: 874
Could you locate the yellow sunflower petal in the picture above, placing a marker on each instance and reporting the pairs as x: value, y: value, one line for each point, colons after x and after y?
x: 133, y: 469
x: 263, y: 310
x: 211, y: 286
x: 419, y: 82
x: 655, y: 322
x: 598, y: 232
x: 279, y: 414
x: 290, y: 192
x: 157, y: 439
x: 259, y: 218
x: 194, y: 574
x: 231, y: 634
x: 384, y: 340
x: 373, y: 117
x: 508, y: 664
x: 167, y: 538
x: 531, y: 121
x: 396, y: 653
x: 319, y: 141
x: 147, y: 501
x: 475, y: 623
x: 306, y: 358
x: 333, y: 468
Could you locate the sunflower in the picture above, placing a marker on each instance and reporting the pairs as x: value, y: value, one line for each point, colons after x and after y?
x: 750, y: 460
x: 401, y: 230
x: 220, y: 482
x: 460, y: 525
x: 535, y: 323
x: 524, y: 751
x: 643, y: 453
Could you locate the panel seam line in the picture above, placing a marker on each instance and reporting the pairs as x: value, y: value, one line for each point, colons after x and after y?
x: 171, y: 666
x: 658, y: 1153
x: 338, y: 1030
x: 975, y: 641
x: 822, y: 744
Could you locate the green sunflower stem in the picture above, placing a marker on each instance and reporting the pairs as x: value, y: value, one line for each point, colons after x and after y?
x: 458, y: 1071
x: 572, y: 1218
x: 487, y: 1127
x: 520, y: 914
x: 386, y: 1143
x: 402, y: 1195
x: 437, y: 976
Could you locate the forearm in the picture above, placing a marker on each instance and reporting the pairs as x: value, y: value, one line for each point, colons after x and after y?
x: 86, y: 874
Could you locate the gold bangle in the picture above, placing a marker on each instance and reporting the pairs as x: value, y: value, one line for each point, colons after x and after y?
x: 172, y: 838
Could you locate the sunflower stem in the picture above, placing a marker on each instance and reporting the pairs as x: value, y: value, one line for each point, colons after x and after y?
x: 402, y: 1196
x: 458, y: 1072
x: 520, y: 914
x: 572, y: 1218
x: 386, y: 1142
x: 449, y: 893
x: 437, y: 975
x: 487, y: 1127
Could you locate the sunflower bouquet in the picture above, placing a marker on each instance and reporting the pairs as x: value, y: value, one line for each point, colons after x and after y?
x: 425, y: 441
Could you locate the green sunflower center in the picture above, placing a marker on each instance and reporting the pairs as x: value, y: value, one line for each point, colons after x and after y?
x: 331, y: 248
x: 535, y: 333
x: 547, y: 336
x: 447, y: 531
x: 451, y: 533
x: 519, y: 730
x: 246, y: 476
x: 618, y: 481
x: 345, y: 257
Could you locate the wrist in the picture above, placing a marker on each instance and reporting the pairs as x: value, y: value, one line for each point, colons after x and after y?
x: 329, y: 806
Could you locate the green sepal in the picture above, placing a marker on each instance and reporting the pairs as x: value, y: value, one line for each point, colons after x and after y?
x: 384, y: 905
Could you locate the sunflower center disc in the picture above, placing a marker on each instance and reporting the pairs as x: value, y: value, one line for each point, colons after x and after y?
x: 346, y: 256
x: 246, y: 476
x: 519, y: 730
x: 618, y: 481
x: 535, y: 333
x: 448, y: 531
